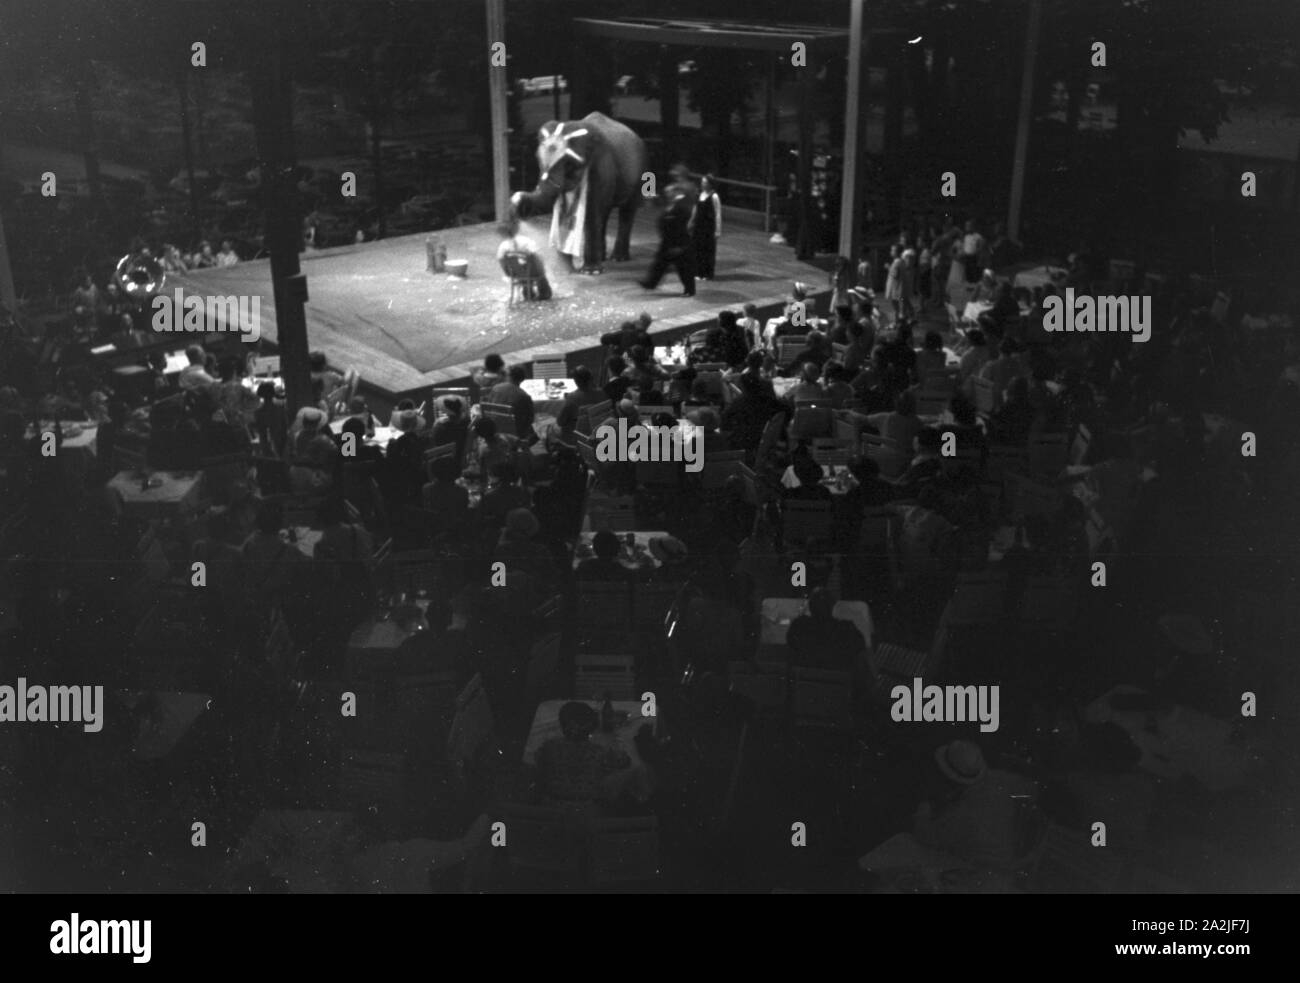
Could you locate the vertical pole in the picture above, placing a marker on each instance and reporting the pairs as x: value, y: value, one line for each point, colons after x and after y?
x: 1022, y: 126
x: 496, y: 31
x: 850, y: 187
x: 196, y: 222
x: 805, y: 247
x: 769, y: 135
x: 273, y: 122
x: 8, y: 297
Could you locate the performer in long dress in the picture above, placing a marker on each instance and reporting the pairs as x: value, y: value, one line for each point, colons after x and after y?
x: 706, y: 228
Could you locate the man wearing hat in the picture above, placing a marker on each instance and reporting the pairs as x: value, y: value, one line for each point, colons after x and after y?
x: 406, y: 454
x: 519, y: 550
x: 978, y: 813
x: 572, y: 769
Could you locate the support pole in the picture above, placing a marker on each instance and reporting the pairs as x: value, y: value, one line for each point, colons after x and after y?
x: 496, y: 31
x: 273, y: 123
x: 850, y: 186
x: 1022, y: 126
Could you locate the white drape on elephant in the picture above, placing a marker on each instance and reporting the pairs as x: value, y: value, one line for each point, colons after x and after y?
x: 588, y: 168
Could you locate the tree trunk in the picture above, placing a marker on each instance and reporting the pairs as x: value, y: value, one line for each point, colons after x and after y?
x: 86, y: 128
x: 187, y: 150
x: 669, y: 105
x: 377, y: 165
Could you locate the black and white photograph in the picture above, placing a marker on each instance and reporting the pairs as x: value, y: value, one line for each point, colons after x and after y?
x: 651, y: 447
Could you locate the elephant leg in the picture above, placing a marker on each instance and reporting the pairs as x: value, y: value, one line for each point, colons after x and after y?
x: 622, y: 241
x: 593, y: 246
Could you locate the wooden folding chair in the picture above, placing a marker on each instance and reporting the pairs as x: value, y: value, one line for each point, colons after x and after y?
x: 821, y: 698
x: 603, y: 607
x: 1048, y: 454
x: 596, y: 677
x: 613, y: 514
x: 543, y: 839
x: 622, y: 851
x: 830, y: 451
x: 811, y: 420
x: 788, y: 347
x: 985, y: 395
x: 763, y: 683
x: 650, y: 606
x: 804, y: 521
x: 890, y: 458
x: 590, y: 417
x: 550, y: 367
x: 502, y: 415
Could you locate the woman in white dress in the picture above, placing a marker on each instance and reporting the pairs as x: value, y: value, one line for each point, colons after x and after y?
x: 894, y: 281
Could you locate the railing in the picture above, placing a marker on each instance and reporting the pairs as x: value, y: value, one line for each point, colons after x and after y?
x: 767, y: 189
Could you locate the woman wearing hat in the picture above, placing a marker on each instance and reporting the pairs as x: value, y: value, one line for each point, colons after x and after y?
x: 976, y: 814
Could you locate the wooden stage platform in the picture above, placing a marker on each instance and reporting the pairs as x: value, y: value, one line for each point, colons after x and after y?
x: 373, y: 307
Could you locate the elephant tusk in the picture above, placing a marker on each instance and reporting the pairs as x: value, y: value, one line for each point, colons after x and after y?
x: 578, y: 157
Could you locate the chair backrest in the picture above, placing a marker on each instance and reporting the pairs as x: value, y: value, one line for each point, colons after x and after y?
x: 930, y: 403
x: 595, y: 676
x: 788, y: 347
x: 472, y: 725
x: 542, y: 839
x: 1080, y: 446
x: 939, y: 382
x: 502, y: 415
x: 985, y: 395
x: 821, y: 698
x: 623, y: 851
x: 647, y: 411
x: 763, y: 683
x: 417, y: 570
x: 806, y: 520
x: 441, y: 451
x: 373, y: 781
x: 1004, y: 459
x: 550, y: 367
x: 650, y: 606
x: 876, y: 532
x: 515, y: 264
x: 1026, y: 496
x: 593, y: 415
x: 898, y: 662
x: 1048, y: 454
x: 890, y: 458
x: 716, y: 472
x: 603, y: 605
x: 614, y: 514
x: 976, y: 600
x: 544, y: 665
x: 829, y: 451
x: 811, y: 421
x: 1048, y: 604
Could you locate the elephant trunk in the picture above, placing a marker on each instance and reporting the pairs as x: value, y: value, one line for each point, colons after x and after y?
x: 536, y: 202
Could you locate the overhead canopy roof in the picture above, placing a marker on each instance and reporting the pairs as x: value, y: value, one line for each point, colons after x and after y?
x: 716, y: 33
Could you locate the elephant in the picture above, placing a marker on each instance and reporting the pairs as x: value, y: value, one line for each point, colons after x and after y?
x: 588, y: 168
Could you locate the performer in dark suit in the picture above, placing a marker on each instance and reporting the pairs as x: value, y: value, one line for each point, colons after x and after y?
x: 675, y: 247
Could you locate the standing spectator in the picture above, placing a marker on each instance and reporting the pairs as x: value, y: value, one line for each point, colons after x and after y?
x: 734, y: 344
x: 204, y: 258
x: 195, y: 375
x: 752, y: 328
x: 493, y: 371
x: 85, y: 307
x: 270, y: 421
x: 894, y: 280
x: 972, y: 253
x: 453, y: 428
x: 706, y: 228
x: 509, y: 392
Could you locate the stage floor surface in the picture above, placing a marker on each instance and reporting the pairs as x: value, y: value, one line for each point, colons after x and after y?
x: 374, y: 307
